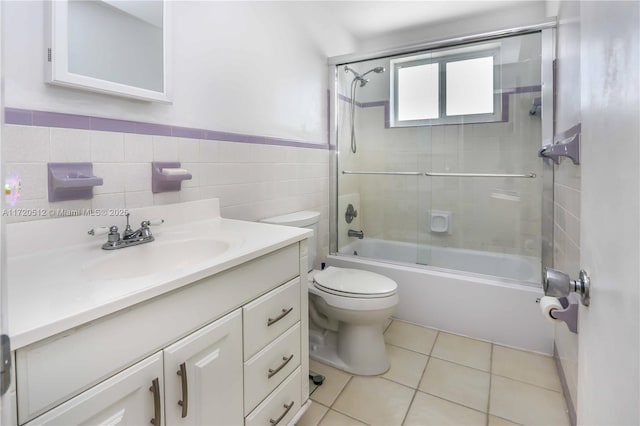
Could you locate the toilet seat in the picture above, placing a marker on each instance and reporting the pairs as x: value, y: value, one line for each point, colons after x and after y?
x: 354, y: 283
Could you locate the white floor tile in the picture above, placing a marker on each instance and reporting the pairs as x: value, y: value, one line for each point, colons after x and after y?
x: 410, y: 336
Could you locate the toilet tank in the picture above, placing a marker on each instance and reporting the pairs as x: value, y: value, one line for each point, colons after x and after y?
x: 304, y: 219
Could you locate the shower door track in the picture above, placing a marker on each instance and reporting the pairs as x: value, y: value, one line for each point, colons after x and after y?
x: 481, y: 175
x: 437, y: 44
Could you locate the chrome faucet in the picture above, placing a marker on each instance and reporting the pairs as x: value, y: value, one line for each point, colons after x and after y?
x: 129, y: 236
x: 357, y: 234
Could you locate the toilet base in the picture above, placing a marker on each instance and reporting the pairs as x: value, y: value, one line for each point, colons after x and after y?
x: 356, y: 349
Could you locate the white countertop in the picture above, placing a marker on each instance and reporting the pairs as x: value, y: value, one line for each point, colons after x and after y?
x: 53, y: 287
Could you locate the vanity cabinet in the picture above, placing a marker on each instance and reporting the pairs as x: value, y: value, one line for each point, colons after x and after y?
x: 124, y: 399
x: 227, y: 349
x: 194, y: 382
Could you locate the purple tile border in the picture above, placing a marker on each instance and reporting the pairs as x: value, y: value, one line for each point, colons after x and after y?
x: 186, y: 132
x: 110, y: 125
x: 56, y: 119
x: 153, y: 129
x: 565, y: 388
x: 73, y: 121
x: 18, y: 116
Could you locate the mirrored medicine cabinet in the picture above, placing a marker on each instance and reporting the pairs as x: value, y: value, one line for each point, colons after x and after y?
x: 111, y: 46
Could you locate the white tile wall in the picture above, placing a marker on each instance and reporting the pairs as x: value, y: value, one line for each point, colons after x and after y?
x: 252, y: 181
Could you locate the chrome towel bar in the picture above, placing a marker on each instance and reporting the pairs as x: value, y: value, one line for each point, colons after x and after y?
x: 485, y: 175
x: 489, y: 175
x: 353, y: 172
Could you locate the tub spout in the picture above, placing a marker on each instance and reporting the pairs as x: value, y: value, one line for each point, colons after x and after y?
x: 358, y: 234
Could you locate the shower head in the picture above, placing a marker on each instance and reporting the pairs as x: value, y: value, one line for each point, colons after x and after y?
x: 363, y: 81
x: 377, y: 70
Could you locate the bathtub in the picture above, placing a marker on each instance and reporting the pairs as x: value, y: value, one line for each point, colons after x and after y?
x: 464, y: 299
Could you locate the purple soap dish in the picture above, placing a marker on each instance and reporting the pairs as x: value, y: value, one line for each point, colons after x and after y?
x: 163, y: 182
x: 71, y: 181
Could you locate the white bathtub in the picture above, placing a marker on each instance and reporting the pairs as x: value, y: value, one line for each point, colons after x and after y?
x: 471, y: 303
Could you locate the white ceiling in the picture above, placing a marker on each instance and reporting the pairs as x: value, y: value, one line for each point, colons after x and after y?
x: 364, y: 19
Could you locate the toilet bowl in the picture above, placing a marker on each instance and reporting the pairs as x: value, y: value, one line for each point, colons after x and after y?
x: 347, y: 310
x: 350, y: 317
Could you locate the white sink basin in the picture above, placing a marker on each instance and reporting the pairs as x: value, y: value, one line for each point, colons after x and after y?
x: 153, y: 258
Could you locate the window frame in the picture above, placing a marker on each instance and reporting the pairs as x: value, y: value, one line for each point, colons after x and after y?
x: 442, y: 58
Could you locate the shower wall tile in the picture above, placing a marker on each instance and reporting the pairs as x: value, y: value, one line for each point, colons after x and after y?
x: 253, y: 181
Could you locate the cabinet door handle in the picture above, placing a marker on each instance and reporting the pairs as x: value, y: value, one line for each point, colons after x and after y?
x: 157, y: 414
x: 284, y: 313
x: 184, y: 402
x: 276, y: 421
x: 286, y: 360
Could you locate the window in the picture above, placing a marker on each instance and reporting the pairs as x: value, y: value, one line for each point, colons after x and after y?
x: 446, y: 87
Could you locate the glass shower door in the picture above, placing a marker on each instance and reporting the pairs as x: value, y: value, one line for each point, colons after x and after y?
x: 480, y: 198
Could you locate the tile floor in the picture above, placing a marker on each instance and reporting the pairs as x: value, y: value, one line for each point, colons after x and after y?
x: 437, y: 378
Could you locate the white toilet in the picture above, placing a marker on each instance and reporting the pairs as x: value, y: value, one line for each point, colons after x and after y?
x: 347, y: 309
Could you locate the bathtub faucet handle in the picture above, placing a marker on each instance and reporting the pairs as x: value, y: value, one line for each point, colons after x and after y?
x: 350, y: 213
x: 357, y: 234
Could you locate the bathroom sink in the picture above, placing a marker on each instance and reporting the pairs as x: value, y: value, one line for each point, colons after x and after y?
x: 153, y: 258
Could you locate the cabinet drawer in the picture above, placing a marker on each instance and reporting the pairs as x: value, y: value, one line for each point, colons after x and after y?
x: 281, y: 406
x: 269, y: 316
x: 126, y: 399
x: 268, y: 368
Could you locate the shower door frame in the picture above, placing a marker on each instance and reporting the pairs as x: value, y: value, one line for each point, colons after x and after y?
x: 547, y: 28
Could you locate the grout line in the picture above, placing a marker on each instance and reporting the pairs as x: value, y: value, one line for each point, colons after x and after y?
x: 462, y: 365
x: 453, y: 402
x: 433, y: 345
x: 527, y: 383
x: 404, y: 419
x: 346, y: 415
x: 324, y: 415
x: 406, y: 349
x: 490, y: 382
x: 341, y: 391
x: 393, y: 381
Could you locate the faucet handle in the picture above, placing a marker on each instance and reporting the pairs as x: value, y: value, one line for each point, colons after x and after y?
x: 102, y: 230
x: 156, y: 221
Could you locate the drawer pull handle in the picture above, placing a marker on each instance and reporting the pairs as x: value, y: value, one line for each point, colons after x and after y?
x: 284, y: 313
x: 184, y: 402
x: 155, y: 388
x: 276, y: 421
x: 286, y: 361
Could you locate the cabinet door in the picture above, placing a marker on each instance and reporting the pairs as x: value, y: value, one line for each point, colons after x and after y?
x: 203, y: 374
x: 132, y: 397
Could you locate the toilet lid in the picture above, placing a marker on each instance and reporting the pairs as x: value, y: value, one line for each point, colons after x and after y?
x: 354, y: 282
